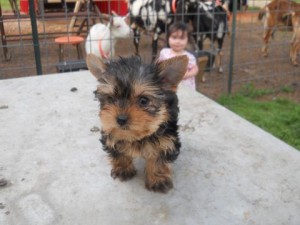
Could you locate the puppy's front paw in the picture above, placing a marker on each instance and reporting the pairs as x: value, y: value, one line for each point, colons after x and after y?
x: 123, y: 174
x: 162, y: 186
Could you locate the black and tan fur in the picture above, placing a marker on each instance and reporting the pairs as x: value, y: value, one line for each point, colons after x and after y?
x: 139, y: 113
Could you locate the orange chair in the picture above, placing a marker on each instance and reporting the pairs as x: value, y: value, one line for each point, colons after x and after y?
x: 69, y: 40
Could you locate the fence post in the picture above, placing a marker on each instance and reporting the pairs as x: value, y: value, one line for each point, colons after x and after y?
x: 35, y: 38
x: 232, y: 45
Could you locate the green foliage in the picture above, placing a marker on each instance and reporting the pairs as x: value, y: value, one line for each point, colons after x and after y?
x: 279, y: 117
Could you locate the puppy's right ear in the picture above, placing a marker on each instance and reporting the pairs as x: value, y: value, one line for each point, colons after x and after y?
x: 96, y: 66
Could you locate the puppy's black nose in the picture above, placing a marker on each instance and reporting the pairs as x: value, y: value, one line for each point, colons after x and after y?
x: 122, y: 120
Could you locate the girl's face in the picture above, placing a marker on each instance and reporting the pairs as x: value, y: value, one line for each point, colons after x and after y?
x: 178, y: 41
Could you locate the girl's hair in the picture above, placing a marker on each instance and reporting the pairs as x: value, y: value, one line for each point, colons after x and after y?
x: 178, y: 26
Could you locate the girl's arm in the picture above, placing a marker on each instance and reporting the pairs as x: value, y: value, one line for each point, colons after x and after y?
x: 162, y: 55
x: 191, y: 72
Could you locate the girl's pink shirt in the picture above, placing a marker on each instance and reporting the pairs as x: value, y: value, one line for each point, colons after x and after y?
x: 166, y: 53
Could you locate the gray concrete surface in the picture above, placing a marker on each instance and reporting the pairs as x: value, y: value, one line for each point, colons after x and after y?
x: 229, y: 172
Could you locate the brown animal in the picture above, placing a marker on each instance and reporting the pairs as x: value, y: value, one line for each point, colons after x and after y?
x: 295, y: 43
x: 286, y: 13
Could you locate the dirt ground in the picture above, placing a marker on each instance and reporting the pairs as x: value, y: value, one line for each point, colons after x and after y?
x: 274, y: 72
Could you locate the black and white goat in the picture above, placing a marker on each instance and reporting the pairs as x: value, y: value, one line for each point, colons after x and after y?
x: 209, y: 21
x: 154, y: 16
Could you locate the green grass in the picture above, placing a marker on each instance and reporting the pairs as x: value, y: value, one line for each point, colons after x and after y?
x: 279, y: 117
x: 253, y: 8
x: 5, y: 5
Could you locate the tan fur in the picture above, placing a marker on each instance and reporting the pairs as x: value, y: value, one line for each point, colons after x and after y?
x: 141, y: 88
x: 157, y: 173
x: 295, y: 43
x: 123, y: 165
x: 141, y: 124
x: 105, y: 89
x: 281, y: 12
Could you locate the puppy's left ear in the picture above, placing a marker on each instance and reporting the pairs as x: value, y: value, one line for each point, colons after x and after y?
x: 172, y: 71
x: 96, y: 66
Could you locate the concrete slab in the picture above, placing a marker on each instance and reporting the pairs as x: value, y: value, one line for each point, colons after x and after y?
x: 229, y: 171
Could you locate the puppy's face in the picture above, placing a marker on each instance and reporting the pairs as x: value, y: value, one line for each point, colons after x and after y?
x: 132, y: 95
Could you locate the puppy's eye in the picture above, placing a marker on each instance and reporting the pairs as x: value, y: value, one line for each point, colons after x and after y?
x: 143, y: 101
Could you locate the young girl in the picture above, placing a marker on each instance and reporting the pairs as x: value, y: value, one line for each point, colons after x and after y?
x: 178, y: 40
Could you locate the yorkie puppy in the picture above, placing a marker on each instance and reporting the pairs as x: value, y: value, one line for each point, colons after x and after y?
x: 139, y: 113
